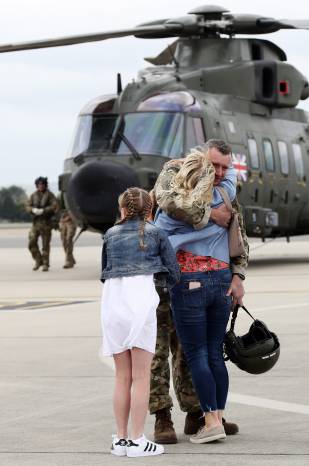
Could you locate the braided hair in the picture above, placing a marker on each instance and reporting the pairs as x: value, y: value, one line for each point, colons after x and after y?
x: 138, y: 205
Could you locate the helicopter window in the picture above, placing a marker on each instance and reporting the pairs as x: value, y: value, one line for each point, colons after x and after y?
x: 155, y: 133
x: 195, y: 132
x: 181, y: 101
x: 82, y: 135
x: 253, y: 152
x: 299, y: 164
x: 199, y: 130
x: 284, y: 157
x: 268, y: 82
x: 231, y: 126
x: 101, y: 132
x: 256, y: 51
x: 269, y: 155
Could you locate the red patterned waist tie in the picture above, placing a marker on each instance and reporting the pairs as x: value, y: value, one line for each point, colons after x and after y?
x: 189, y: 262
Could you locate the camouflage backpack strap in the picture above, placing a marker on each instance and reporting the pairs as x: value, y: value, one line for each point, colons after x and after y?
x: 236, y: 242
x: 225, y: 198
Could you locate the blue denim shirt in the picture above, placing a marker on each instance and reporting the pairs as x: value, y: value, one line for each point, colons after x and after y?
x: 122, y: 255
x: 212, y: 240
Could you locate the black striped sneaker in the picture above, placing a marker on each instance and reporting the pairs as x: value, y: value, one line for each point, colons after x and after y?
x: 143, y: 447
x: 118, y: 447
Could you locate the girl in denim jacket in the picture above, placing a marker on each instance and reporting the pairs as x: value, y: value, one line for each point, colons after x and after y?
x: 133, y: 251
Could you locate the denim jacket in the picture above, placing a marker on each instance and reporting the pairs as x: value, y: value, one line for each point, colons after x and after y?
x: 122, y: 255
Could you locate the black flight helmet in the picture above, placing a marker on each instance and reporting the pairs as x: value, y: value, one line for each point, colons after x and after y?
x: 255, y: 352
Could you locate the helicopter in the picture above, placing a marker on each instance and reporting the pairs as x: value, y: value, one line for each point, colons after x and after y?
x: 207, y: 83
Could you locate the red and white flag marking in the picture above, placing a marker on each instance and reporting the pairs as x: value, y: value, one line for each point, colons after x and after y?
x: 240, y: 164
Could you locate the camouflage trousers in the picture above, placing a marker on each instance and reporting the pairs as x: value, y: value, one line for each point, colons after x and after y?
x: 167, y: 341
x: 67, y: 233
x: 43, y: 230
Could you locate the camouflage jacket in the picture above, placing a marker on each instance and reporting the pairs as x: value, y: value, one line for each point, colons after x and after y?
x: 191, y: 207
x: 46, y: 201
x: 240, y: 263
x: 196, y: 209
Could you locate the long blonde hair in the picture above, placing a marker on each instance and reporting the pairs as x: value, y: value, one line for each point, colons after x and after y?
x: 192, y: 169
x: 138, y: 205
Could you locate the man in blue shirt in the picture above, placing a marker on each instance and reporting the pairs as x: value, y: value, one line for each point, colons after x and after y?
x: 160, y: 401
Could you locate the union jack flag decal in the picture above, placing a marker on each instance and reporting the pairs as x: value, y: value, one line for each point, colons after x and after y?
x: 240, y: 164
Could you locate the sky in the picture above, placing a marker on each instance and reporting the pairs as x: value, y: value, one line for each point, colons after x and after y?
x: 42, y: 91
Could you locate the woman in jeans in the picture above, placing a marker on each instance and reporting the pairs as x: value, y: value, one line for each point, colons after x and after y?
x: 201, y: 301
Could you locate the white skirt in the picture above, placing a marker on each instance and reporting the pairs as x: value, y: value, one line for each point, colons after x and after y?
x: 128, y: 314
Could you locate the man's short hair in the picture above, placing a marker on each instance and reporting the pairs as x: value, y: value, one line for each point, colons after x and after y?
x: 218, y: 144
x: 41, y: 179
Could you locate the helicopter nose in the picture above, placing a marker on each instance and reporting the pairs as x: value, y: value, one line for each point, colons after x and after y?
x: 95, y: 188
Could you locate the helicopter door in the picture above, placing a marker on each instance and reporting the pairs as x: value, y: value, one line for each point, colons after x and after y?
x: 284, y: 187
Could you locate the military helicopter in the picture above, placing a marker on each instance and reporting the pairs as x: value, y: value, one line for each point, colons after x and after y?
x: 206, y: 84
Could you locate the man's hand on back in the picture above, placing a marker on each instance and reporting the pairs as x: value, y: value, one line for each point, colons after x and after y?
x: 221, y: 216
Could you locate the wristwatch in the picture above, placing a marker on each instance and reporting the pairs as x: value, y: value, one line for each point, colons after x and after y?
x: 241, y: 276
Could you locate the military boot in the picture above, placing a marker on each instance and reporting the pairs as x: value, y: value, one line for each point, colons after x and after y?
x: 68, y: 265
x: 230, y: 427
x: 45, y: 268
x: 69, y: 261
x: 38, y: 262
x: 164, y: 432
x: 194, y: 420
x: 37, y: 265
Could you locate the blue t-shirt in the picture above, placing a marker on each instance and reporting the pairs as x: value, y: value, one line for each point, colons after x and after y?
x: 212, y: 240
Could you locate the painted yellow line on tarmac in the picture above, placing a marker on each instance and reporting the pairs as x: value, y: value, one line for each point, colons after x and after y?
x: 32, y: 305
x: 268, y: 403
x: 244, y: 399
x: 282, y: 306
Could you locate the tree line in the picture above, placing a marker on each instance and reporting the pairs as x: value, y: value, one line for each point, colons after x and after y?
x: 12, y: 204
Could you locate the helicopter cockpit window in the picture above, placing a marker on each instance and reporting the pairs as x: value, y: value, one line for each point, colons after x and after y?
x: 269, y: 155
x: 82, y: 135
x: 284, y: 157
x: 299, y: 164
x: 253, y: 152
x: 180, y: 101
x: 154, y: 133
x: 102, y: 131
x: 195, y: 133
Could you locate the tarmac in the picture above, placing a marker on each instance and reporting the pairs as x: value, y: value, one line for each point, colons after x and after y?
x: 56, y: 394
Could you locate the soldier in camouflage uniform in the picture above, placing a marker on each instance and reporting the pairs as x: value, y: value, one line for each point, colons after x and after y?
x: 42, y: 205
x: 67, y: 227
x: 167, y: 340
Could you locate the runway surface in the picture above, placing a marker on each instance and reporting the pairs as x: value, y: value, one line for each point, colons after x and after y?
x: 56, y: 394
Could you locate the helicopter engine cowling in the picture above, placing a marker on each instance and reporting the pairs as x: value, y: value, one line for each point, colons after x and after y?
x: 95, y: 188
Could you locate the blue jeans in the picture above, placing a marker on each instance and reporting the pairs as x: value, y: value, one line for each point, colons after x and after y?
x: 201, y: 315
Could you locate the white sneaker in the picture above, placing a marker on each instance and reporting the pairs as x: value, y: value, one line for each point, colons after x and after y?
x: 118, y: 447
x: 143, y: 447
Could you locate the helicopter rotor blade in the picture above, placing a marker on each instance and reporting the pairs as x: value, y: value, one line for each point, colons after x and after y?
x: 166, y: 30
x: 203, y: 23
x: 288, y: 23
x: 253, y: 24
x: 165, y: 57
